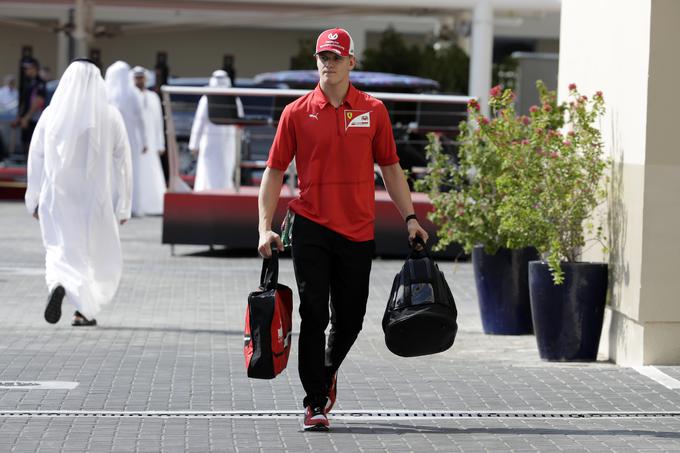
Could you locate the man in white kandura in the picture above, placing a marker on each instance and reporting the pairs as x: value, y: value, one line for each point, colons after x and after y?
x: 121, y: 94
x: 151, y: 178
x: 215, y: 145
x: 79, y: 188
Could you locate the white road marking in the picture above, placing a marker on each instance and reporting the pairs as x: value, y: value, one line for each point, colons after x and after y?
x: 22, y: 270
x: 659, y: 376
x: 38, y: 385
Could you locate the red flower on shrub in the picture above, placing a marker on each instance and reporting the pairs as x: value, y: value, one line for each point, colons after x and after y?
x: 525, y: 120
x: 484, y: 120
x: 547, y: 107
x: 473, y: 104
x: 533, y: 109
x: 572, y: 87
x: 495, y: 91
x: 598, y: 94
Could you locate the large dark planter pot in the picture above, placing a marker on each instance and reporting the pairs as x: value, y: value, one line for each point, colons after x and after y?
x: 568, y: 317
x: 503, y: 289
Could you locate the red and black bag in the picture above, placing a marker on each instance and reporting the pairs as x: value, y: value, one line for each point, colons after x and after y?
x: 269, y: 324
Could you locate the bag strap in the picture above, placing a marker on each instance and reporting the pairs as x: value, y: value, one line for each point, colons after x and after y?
x: 269, y: 277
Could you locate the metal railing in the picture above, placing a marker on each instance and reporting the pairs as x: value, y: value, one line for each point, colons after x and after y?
x: 175, y: 183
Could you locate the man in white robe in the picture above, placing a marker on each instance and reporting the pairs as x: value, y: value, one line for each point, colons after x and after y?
x: 79, y: 188
x: 215, y: 145
x: 121, y: 94
x: 151, y: 178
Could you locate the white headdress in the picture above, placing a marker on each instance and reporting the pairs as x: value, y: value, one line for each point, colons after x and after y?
x: 220, y: 78
x: 119, y: 87
x: 77, y: 107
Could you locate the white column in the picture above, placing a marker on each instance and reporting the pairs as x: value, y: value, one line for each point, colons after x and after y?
x: 84, y: 22
x: 62, y: 48
x: 482, y: 53
x: 359, y: 38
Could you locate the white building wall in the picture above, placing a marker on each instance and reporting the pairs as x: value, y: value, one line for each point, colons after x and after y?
x: 625, y: 50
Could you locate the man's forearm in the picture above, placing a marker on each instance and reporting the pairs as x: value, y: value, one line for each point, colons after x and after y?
x: 36, y: 105
x: 268, y: 197
x: 397, y: 188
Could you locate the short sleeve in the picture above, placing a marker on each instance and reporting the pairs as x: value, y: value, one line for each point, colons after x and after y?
x: 283, y: 149
x: 384, y: 148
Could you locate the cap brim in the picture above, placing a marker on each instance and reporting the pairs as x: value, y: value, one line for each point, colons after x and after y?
x: 335, y: 51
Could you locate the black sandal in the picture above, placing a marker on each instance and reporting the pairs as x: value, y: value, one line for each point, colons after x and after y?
x: 79, y: 320
x: 53, y: 308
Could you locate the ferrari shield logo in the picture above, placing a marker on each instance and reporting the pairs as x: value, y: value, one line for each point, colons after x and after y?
x: 357, y: 118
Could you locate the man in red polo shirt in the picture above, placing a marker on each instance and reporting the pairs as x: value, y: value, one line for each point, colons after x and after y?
x: 335, y: 133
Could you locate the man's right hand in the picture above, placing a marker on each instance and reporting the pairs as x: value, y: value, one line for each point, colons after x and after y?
x: 266, y: 239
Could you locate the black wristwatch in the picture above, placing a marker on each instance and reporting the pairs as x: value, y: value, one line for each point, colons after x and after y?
x: 409, y: 217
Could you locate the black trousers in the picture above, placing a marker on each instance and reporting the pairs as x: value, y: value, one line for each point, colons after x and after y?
x: 327, y: 264
x: 26, y: 136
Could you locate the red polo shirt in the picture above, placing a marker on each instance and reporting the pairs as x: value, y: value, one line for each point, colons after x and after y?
x: 334, y: 151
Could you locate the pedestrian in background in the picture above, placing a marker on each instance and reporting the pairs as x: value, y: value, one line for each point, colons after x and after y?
x: 335, y: 133
x: 9, y: 95
x: 79, y: 188
x: 31, y: 102
x: 121, y: 94
x: 151, y: 178
x: 215, y: 145
x: 9, y: 102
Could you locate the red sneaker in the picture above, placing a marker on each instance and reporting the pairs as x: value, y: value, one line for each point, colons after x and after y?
x: 315, y: 419
x: 332, y: 393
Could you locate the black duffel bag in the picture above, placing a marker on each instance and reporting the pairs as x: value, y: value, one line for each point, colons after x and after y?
x: 420, y: 317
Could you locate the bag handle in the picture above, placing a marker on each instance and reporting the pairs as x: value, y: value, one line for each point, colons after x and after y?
x: 418, y: 248
x: 269, y: 277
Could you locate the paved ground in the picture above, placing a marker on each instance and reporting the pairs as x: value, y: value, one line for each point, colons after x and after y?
x: 164, y: 371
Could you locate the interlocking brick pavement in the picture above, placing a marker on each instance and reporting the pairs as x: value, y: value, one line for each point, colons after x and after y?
x: 172, y: 341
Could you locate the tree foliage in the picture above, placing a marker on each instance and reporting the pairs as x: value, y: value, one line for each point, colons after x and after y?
x: 449, y: 65
x: 522, y: 180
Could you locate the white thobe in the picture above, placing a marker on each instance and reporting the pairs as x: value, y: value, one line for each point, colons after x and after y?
x: 131, y: 111
x: 80, y: 203
x: 151, y: 180
x: 216, y: 150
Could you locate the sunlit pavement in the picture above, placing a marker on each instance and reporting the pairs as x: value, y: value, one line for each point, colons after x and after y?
x: 164, y: 371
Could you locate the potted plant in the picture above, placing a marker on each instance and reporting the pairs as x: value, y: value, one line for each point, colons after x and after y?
x: 552, y: 182
x: 467, y: 211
